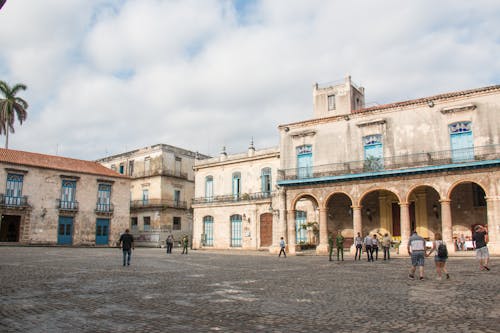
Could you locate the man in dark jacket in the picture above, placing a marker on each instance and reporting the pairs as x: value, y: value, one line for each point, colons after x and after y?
x: 127, y: 245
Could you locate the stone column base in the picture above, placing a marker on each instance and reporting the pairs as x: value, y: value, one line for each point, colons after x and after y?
x: 322, y: 249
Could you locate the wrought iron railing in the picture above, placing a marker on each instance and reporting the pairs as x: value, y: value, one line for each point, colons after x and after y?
x: 233, y: 197
x: 67, y: 205
x: 457, y: 156
x: 159, y: 172
x: 9, y: 201
x: 104, y: 208
x: 151, y: 203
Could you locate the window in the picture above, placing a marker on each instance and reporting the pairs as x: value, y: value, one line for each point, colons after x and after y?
x: 331, y: 102
x: 113, y: 167
x: 14, y: 189
x: 300, y: 227
x: 462, y: 144
x: 178, y: 166
x: 147, y: 223
x: 236, y: 185
x: 304, y: 161
x: 145, y: 196
x: 265, y: 176
x: 177, y: 198
x: 122, y: 168
x: 176, y: 223
x: 208, y: 231
x: 104, y: 198
x: 374, y: 154
x: 130, y: 168
x: 133, y: 223
x: 68, y: 194
x: 236, y: 231
x: 209, y: 188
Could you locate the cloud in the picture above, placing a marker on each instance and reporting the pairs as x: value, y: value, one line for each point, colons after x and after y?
x: 107, y: 76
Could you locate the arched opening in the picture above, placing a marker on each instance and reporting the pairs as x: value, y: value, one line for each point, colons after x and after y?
x: 468, y: 209
x: 380, y: 214
x: 306, y: 223
x: 339, y: 217
x: 425, y: 211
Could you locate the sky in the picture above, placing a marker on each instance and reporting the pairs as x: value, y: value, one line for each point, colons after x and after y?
x: 109, y: 76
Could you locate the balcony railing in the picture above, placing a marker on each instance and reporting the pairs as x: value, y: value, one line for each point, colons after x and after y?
x: 104, y: 208
x: 233, y: 197
x: 157, y: 203
x: 70, y: 206
x: 18, y: 202
x: 160, y: 172
x: 457, y: 156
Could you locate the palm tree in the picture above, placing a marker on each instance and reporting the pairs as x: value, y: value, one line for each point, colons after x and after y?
x: 10, y: 107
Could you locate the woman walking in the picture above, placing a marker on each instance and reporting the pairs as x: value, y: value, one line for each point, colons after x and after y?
x: 439, y: 247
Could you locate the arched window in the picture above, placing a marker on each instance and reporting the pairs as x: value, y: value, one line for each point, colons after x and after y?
x: 374, y: 152
x: 265, y: 177
x: 208, y: 230
x: 209, y: 188
x: 461, y: 141
x: 304, y: 161
x: 236, y: 230
x: 236, y: 185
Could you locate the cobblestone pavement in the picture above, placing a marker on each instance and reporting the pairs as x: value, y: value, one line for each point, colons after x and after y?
x: 87, y: 290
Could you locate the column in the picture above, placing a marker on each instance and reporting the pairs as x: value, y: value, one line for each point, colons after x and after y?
x: 405, y: 226
x: 322, y: 248
x: 356, y: 224
x: 446, y: 224
x: 422, y: 223
x: 291, y: 231
x: 493, y: 215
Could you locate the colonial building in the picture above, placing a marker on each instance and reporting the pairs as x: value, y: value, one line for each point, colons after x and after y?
x: 57, y: 200
x: 233, y: 200
x: 431, y: 164
x: 161, y: 190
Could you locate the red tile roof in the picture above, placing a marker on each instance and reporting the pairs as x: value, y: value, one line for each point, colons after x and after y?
x: 56, y: 162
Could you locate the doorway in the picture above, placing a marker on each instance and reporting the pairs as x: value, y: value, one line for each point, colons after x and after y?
x: 10, y: 228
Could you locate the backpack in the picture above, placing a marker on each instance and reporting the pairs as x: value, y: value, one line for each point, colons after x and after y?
x: 442, y: 251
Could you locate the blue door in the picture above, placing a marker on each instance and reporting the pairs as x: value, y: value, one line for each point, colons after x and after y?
x: 462, y: 147
x: 304, y: 162
x: 300, y: 230
x: 65, y: 230
x: 102, y: 232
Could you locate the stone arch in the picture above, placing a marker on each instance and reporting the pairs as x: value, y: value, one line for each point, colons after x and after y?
x: 380, y: 212
x: 300, y: 196
x: 467, y: 199
x: 339, y: 215
x: 414, y: 186
x: 425, y: 210
x: 306, y: 220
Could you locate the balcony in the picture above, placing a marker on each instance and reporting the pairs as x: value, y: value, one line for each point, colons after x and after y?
x: 157, y: 203
x: 160, y: 172
x: 67, y: 206
x: 395, y: 165
x: 233, y: 198
x: 104, y: 209
x: 13, y: 202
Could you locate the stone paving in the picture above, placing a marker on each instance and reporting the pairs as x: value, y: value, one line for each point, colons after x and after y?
x: 47, y: 289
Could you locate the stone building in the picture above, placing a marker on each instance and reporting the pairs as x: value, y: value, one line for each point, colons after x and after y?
x: 431, y: 164
x: 161, y: 190
x: 233, y: 200
x: 57, y: 200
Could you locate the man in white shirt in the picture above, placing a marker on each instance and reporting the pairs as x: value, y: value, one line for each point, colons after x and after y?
x: 416, y: 249
x: 368, y: 247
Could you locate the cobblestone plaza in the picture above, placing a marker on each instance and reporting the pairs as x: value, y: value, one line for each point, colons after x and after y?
x: 47, y: 289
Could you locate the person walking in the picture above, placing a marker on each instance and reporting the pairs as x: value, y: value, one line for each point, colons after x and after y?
x: 330, y: 246
x: 185, y: 243
x: 375, y: 246
x: 441, y: 256
x: 368, y: 247
x: 416, y: 250
x: 126, y: 243
x: 170, y: 243
x: 282, y: 247
x: 358, y: 243
x: 480, y: 241
x: 340, y: 245
x: 386, y: 245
